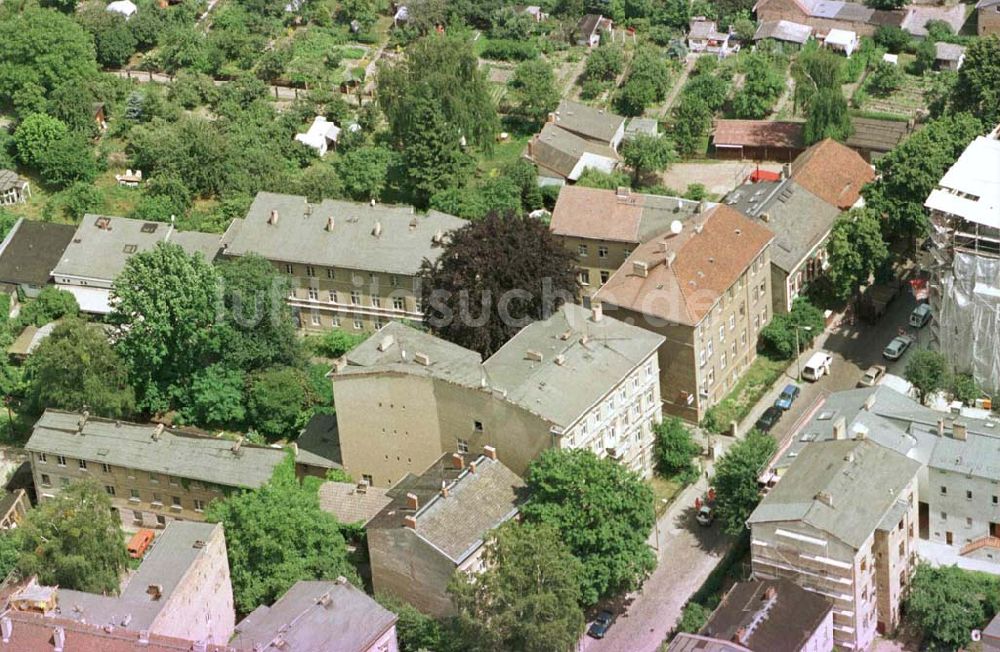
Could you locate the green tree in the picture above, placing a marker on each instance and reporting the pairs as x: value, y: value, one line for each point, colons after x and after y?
x: 693, y: 618
x: 886, y: 4
x: 67, y: 161
x: 926, y: 54
x: 603, y: 512
x: 363, y: 172
x: 278, y: 400
x: 604, y: 63
x: 216, y: 398
x: 928, y: 371
x: 278, y: 535
x: 480, y: 263
x: 674, y: 449
x: 163, y: 305
x: 762, y: 86
x: 534, y: 89
x: 433, y: 155
x: 114, y: 41
x: 692, y: 118
x: 779, y: 336
x: 50, y: 305
x: 527, y: 599
x: 10, y: 551
x: 416, y: 631
x: 648, y: 82
x: 75, y: 367
x: 856, y: 250
x: 74, y: 541
x: 965, y: 388
x: 646, y: 154
x: 892, y: 37
x: 813, y: 71
x: 336, y: 343
x: 35, y: 136
x: 977, y: 89
x: 947, y: 603
x: 736, y: 473
x: 363, y: 11
x: 828, y: 117
x: 885, y: 79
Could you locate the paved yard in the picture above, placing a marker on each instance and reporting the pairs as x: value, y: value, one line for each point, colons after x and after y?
x: 718, y: 177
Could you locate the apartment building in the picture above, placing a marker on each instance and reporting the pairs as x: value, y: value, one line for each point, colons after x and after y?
x: 102, y: 245
x: 353, y: 266
x: 842, y: 522
x: 437, y: 523
x: 704, y: 285
x: 154, y: 475
x: 965, y: 267
x: 575, y: 380
x: 603, y: 227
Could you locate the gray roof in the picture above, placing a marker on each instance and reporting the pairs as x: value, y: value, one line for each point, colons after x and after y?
x: 948, y: 51
x: 705, y: 29
x: 863, y: 479
x: 588, y: 122
x: 314, y: 616
x: 983, y: 4
x: 169, y: 558
x: 559, y: 150
x: 876, y: 135
x: 352, y: 503
x: 319, y: 443
x: 800, y: 220
x: 102, y: 245
x: 891, y: 519
x: 582, y: 360
x: 685, y: 642
x: 301, y: 234
x: 477, y: 502
x: 783, y: 30
x: 10, y: 179
x: 31, y: 250
x: 173, y: 452
x: 640, y: 125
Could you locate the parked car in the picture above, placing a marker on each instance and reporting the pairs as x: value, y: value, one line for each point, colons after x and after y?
x: 897, y: 347
x: 787, y: 397
x: 817, y: 366
x: 872, y: 376
x: 705, y: 515
x: 920, y: 315
x: 768, y: 419
x: 601, y: 624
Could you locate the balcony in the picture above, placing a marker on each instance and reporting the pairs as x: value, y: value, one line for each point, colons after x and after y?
x: 980, y: 543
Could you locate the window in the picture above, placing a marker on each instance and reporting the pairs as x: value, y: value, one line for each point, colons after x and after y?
x: 161, y: 520
x: 711, y: 375
x: 376, y: 302
x: 583, y: 276
x: 134, y: 495
x: 944, y: 490
x: 602, y: 252
x: 330, y: 274
x: 155, y: 479
x: 335, y: 321
x: 313, y: 294
x: 129, y: 249
x: 83, y: 465
x: 157, y: 500
x: 995, y: 500
x: 398, y: 303
x: 605, y: 275
x: 289, y: 269
x: 379, y: 324
x: 477, y: 426
x: 46, y: 480
x: 393, y: 280
x: 332, y: 296
x: 367, y: 479
x: 722, y: 333
x: 310, y: 270
x: 173, y: 481
x: 968, y: 495
x: 372, y: 277
x: 316, y: 320
x: 944, y: 516
x: 106, y: 468
x: 722, y: 360
x: 732, y: 322
x: 176, y: 501
x: 756, y: 323
x: 109, y: 490
x: 199, y: 505
x: 582, y: 250
x: 463, y: 445
x: 743, y: 339
x: 627, y: 252
x: 709, y: 347
x: 358, y: 324
x: 355, y: 298
x: 42, y: 458
x: 763, y: 316
x: 61, y: 460
x: 968, y: 521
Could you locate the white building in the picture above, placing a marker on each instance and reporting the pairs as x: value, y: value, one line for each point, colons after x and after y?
x: 125, y: 8
x: 842, y: 40
x: 320, y: 136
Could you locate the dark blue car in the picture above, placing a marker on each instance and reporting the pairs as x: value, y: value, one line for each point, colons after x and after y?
x: 601, y: 624
x: 787, y: 397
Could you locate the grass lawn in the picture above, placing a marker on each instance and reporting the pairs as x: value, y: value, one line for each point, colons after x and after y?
x: 755, y: 382
x: 504, y: 153
x: 664, y: 492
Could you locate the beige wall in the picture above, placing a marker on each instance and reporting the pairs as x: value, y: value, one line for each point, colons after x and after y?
x: 789, y: 10
x: 988, y: 20
x: 408, y: 567
x: 968, y: 507
x: 895, y: 557
x: 597, y: 260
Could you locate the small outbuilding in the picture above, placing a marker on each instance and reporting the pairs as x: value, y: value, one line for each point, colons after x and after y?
x: 948, y: 56
x: 320, y: 136
x: 125, y: 8
x: 784, y: 31
x: 842, y: 40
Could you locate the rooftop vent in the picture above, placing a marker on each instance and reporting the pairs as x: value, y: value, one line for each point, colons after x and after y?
x: 596, y: 311
x: 959, y: 431
x: 825, y: 497
x: 560, y: 359
x: 640, y: 268
x: 386, y: 343
x: 422, y: 359
x: 412, y: 502
x: 490, y: 452
x: 103, y: 223
x: 533, y: 355
x: 198, y: 544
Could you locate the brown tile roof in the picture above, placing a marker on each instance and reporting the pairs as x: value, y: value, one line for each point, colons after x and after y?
x: 758, y: 133
x: 348, y: 504
x: 712, y: 250
x: 833, y: 172
x: 617, y: 216
x: 876, y: 135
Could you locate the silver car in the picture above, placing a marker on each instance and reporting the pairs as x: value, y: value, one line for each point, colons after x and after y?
x: 897, y: 347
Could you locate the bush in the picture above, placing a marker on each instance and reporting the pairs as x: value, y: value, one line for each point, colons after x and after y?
x: 505, y: 50
x: 965, y: 388
x: 894, y: 39
x: 779, y: 335
x: 693, y: 618
x: 885, y: 79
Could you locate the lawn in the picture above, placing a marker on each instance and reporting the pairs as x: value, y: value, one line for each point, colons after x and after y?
x: 664, y: 492
x: 904, y: 103
x: 751, y: 387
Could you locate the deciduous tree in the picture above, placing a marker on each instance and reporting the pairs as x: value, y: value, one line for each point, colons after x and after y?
x: 827, y: 117
x: 928, y: 371
x: 433, y: 155
x: 948, y: 603
x: 646, y: 154
x: 978, y: 87
x: 278, y: 400
x: 35, y: 135
x: 856, y: 250
x: 363, y: 171
x: 534, y: 89
x: 736, y: 473
x: 674, y: 448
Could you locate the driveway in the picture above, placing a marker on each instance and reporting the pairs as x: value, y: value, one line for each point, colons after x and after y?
x: 718, y: 177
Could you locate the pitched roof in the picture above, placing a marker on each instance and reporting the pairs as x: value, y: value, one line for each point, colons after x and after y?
x: 478, y: 500
x: 618, y: 216
x: 172, y: 452
x: 917, y: 17
x: 10, y: 179
x: 876, y: 135
x: 768, y: 615
x: 685, y: 642
x: 863, y: 479
x: 351, y: 503
x: 711, y: 251
x: 328, y: 616
x: 588, y: 24
x: 783, y: 30
x: 800, y: 220
x: 380, y: 238
x: 319, y: 443
x: 971, y: 186
x: 758, y: 133
x: 705, y: 29
x: 559, y: 150
x: 31, y: 250
x: 587, y: 122
x: 582, y: 360
x: 833, y: 172
x: 983, y: 4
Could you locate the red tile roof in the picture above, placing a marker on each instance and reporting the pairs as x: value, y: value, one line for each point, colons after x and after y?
x: 833, y: 172
x: 599, y: 214
x: 758, y: 133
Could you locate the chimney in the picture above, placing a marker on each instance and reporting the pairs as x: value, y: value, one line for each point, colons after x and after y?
x: 157, y: 431
x: 596, y: 311
x: 236, y: 446
x: 438, y: 237
x: 870, y: 402
x: 143, y: 637
x: 6, y: 628
x: 825, y: 498
x: 531, y: 146
x: 740, y: 636
x: 849, y: 458
x: 786, y: 170
x: 199, y: 646
x: 699, y: 227
x: 640, y: 268
x: 533, y: 355
x: 671, y: 257
x: 940, y: 427
x: 361, y: 487
x: 840, y: 428
x: 58, y: 639
x: 664, y: 247
x: 154, y: 591
x: 490, y: 452
x: 622, y: 192
x: 329, y: 223
x: 273, y: 219
x: 568, y: 332
x: 770, y: 593
x: 83, y: 420
x: 295, y: 448
x: 560, y: 359
x: 377, y: 231
x: 551, y: 118
x: 308, y: 209
x: 386, y: 343
x: 410, y: 521
x: 422, y: 359
x: 412, y: 502
x: 472, y: 466
x: 959, y: 431
x: 444, y: 489
x: 860, y: 432
x: 765, y: 217
x: 457, y: 462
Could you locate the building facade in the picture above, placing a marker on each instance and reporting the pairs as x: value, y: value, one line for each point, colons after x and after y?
x: 988, y: 17
x: 352, y: 266
x: 154, y: 475
x: 705, y: 286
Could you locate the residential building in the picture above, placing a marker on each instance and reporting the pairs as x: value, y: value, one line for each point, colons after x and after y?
x: 153, y: 474
x: 917, y: 16
x: 574, y: 138
x: 328, y: 616
x: 603, y: 227
x: 784, y: 32
x: 988, y: 17
x: 825, y: 16
x: 832, y: 172
x: 321, y: 135
x: 965, y: 272
x: 14, y: 189
x: 757, y: 140
x: 353, y: 266
x: 801, y: 222
x: 437, y: 523
x: 842, y: 522
x: 704, y: 284
x: 352, y: 502
x: 948, y: 56
x: 684, y: 642
x: 588, y: 30
x: 991, y: 635
x: 30, y: 251
x: 317, y: 448
x: 102, y: 245
x: 575, y: 380
x: 595, y: 125
x: 181, y: 590
x: 872, y: 138
x: 704, y: 36
x: 772, y: 615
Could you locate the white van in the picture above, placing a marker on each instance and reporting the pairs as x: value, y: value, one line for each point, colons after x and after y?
x: 920, y: 316
x: 817, y: 366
